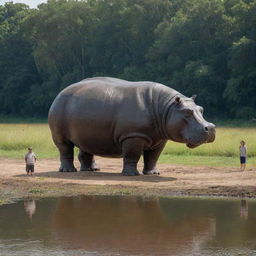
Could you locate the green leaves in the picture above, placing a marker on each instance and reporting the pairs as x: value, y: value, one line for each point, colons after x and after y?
x: 241, y: 87
x: 203, y: 47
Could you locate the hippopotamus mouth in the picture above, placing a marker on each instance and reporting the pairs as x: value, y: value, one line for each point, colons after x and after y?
x: 209, y: 139
x: 190, y: 145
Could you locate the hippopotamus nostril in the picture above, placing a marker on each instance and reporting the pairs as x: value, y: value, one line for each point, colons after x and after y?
x: 210, y: 128
x: 210, y: 131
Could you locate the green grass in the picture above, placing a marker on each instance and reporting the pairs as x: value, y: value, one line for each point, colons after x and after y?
x: 226, y: 144
x: 4, y: 201
x: 16, y: 138
x: 195, y: 160
x: 35, y: 191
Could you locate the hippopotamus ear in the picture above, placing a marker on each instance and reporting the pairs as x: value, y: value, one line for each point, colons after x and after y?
x: 178, y: 100
x: 193, y: 97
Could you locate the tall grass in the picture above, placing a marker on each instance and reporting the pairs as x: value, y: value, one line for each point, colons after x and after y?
x: 16, y: 138
x: 226, y: 144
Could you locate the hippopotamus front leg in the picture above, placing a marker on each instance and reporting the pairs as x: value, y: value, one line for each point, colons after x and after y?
x: 87, y: 162
x: 151, y: 158
x: 66, y: 157
x: 132, y: 149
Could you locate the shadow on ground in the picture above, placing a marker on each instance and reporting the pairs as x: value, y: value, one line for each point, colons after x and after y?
x: 101, y: 176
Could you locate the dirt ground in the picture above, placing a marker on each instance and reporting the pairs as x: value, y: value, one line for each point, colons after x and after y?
x: 174, y: 180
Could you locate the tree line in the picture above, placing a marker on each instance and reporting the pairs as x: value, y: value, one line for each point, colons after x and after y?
x: 203, y: 47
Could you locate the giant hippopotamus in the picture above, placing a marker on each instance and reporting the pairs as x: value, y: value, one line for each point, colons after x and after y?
x: 111, y: 117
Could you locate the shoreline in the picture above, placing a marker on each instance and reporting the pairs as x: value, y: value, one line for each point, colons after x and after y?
x: 174, y: 181
x: 43, y: 191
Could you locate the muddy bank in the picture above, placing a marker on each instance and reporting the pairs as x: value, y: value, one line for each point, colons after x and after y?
x: 175, y: 180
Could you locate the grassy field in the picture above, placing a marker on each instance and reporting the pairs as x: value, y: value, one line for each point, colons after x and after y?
x: 15, y: 138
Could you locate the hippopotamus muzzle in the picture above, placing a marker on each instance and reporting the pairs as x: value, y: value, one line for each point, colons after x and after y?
x: 206, y: 136
x: 210, y: 129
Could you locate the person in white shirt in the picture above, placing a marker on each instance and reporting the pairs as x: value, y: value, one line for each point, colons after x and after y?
x: 30, y: 159
x: 243, y: 155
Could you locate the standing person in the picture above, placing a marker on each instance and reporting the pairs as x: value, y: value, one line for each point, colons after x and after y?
x: 243, y: 154
x: 30, y: 159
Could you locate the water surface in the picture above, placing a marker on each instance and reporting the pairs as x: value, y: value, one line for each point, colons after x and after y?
x: 98, y: 225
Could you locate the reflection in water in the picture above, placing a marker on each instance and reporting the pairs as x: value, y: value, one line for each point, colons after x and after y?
x: 244, y: 210
x: 30, y: 208
x: 128, y: 225
x: 97, y: 225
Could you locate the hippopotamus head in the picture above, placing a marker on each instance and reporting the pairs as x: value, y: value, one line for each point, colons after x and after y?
x: 185, y: 123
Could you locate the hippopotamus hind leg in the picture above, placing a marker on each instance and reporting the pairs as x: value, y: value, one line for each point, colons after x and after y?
x: 151, y: 158
x: 66, y: 150
x: 87, y: 162
x: 132, y: 149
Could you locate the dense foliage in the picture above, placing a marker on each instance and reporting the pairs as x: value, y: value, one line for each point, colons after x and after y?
x: 203, y: 47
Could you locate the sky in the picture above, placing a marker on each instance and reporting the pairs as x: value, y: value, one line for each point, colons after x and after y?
x: 31, y: 3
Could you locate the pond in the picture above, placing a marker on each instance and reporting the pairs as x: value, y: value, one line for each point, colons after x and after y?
x: 101, y: 225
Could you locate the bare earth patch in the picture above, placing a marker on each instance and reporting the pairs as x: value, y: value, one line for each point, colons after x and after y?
x: 175, y: 180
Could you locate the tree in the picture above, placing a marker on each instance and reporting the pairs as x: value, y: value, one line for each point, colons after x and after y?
x: 190, y: 52
x: 17, y: 69
x: 203, y: 47
x: 241, y: 87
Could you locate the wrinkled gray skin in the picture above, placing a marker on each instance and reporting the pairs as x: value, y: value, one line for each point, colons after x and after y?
x: 116, y: 118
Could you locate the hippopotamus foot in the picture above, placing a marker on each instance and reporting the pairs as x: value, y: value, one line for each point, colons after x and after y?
x: 132, y: 150
x: 151, y: 172
x: 87, y: 161
x: 130, y: 172
x: 66, y: 155
x: 89, y: 169
x: 72, y: 169
x: 150, y: 159
x: 67, y: 164
x: 93, y: 167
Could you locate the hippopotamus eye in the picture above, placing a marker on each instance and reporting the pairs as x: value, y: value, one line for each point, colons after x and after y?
x: 188, y: 112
